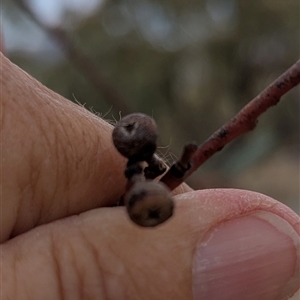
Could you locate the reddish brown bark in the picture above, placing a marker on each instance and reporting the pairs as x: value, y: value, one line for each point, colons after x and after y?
x: 242, y: 123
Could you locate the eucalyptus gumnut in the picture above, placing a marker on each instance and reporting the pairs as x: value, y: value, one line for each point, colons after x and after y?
x: 135, y: 137
x: 149, y: 203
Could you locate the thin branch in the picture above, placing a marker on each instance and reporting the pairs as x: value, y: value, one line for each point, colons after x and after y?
x: 81, y: 61
x: 242, y: 123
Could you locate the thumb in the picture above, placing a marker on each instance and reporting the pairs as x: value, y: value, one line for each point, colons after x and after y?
x: 221, y: 244
x: 251, y: 253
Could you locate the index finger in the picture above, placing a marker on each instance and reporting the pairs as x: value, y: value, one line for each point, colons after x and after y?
x: 58, y: 158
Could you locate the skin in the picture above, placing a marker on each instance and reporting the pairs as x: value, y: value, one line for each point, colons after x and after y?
x: 60, y: 239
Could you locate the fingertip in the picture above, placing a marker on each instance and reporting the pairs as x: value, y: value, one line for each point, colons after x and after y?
x: 249, y: 246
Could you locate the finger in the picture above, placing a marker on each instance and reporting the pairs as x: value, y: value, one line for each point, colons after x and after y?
x: 58, y: 158
x: 221, y: 244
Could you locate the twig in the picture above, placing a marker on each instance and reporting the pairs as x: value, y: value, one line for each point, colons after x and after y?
x: 242, y: 123
x: 180, y: 167
x: 82, y: 62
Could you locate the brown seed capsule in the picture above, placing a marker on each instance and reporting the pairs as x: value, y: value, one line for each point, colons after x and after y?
x: 149, y: 203
x: 135, y: 137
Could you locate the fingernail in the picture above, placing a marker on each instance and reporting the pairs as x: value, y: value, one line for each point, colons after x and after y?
x: 251, y: 257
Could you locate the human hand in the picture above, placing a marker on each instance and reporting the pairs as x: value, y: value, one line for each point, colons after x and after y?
x: 60, y: 171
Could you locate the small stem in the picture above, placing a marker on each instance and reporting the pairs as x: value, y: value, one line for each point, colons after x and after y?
x: 184, y: 162
x: 179, y: 168
x: 156, y: 167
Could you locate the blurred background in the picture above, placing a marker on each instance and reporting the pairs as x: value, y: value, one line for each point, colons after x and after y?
x: 192, y: 65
